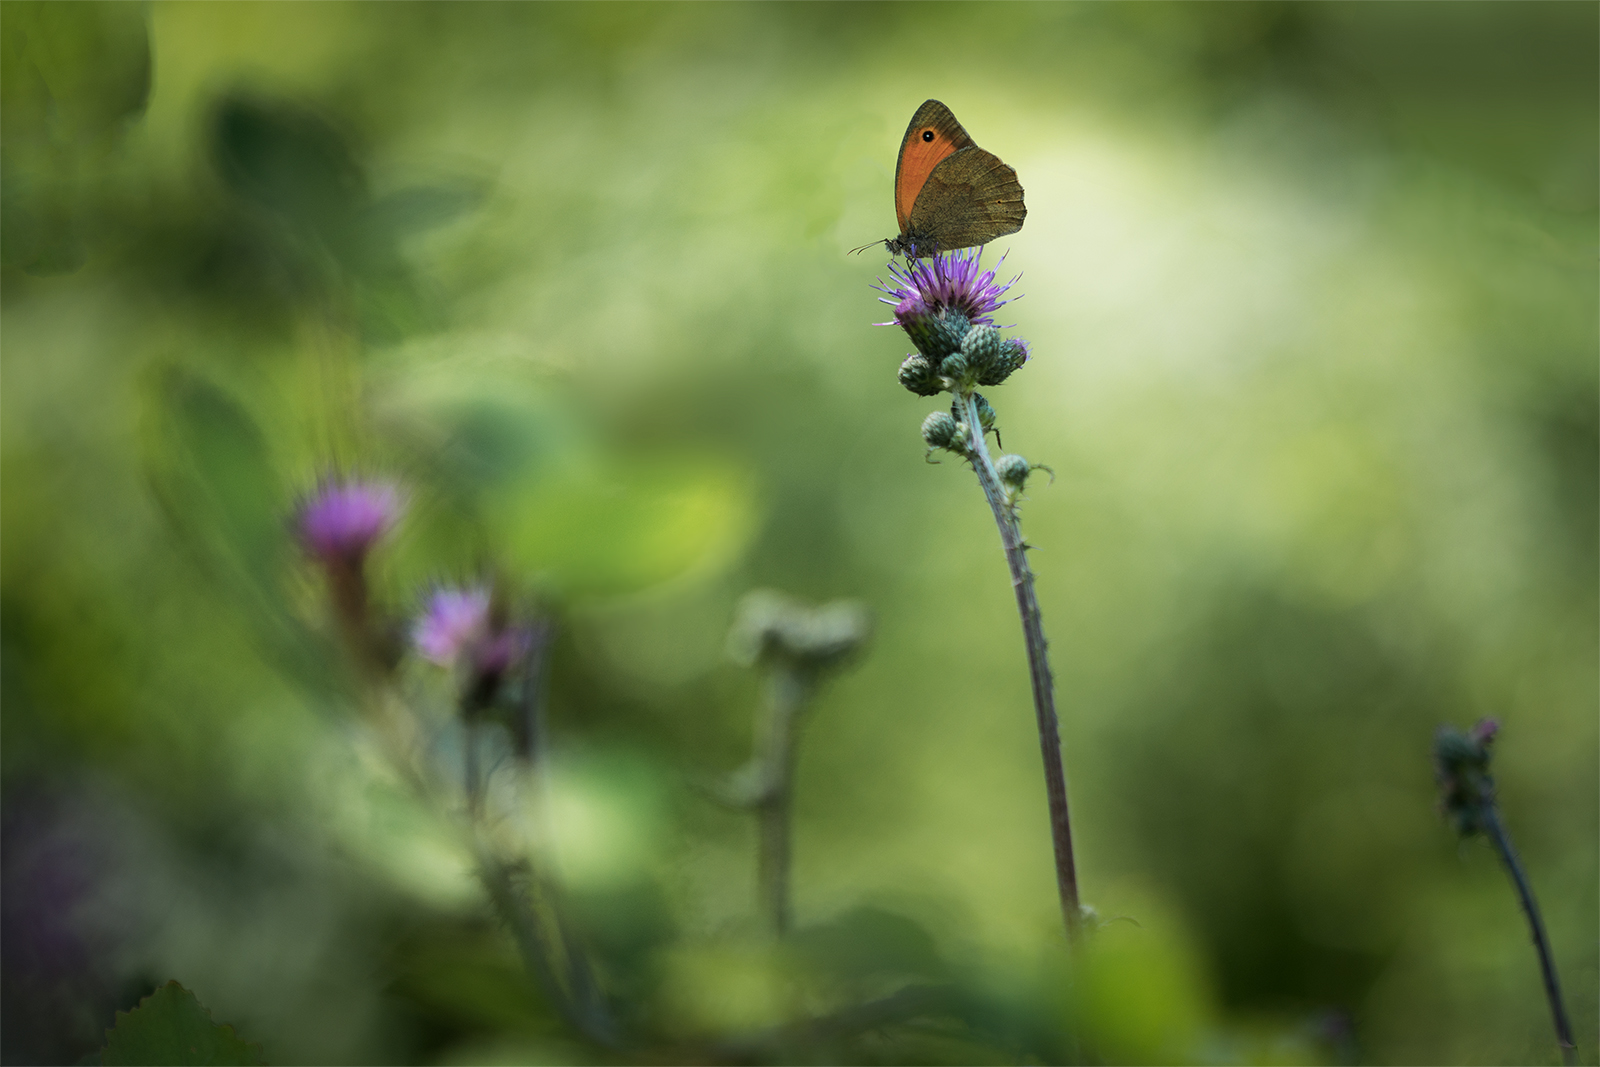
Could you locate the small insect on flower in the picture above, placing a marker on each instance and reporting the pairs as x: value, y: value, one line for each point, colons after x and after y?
x: 342, y: 520
x: 948, y: 192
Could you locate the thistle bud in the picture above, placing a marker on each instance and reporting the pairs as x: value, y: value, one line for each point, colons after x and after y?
x: 1461, y: 764
x: 918, y: 375
x: 1013, y: 470
x: 982, y: 347
x: 935, y: 333
x: 1011, y: 355
x: 939, y: 430
x: 954, y: 367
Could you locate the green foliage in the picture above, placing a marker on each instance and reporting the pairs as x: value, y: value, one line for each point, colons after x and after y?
x: 171, y: 1027
x: 1311, y: 298
x: 74, y: 76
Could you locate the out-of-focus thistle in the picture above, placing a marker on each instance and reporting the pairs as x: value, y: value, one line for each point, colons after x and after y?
x: 338, y: 525
x: 946, y: 305
x: 467, y: 628
x: 795, y: 647
x: 471, y: 630
x: 1467, y: 797
x: 474, y: 631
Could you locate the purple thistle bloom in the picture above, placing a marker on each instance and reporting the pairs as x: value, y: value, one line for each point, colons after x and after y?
x: 343, y: 520
x: 496, y: 654
x: 950, y: 281
x: 459, y: 623
x: 455, y: 621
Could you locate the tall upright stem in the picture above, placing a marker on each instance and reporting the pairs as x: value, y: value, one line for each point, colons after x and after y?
x: 785, y: 697
x: 584, y: 1003
x: 1044, y: 705
x: 1530, y: 907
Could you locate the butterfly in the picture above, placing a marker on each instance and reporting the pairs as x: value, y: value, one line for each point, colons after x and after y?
x: 948, y: 192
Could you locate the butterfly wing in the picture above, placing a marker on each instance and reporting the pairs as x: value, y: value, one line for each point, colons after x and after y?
x: 933, y: 136
x: 969, y: 198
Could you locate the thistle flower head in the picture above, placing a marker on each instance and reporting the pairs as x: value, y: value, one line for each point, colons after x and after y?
x: 950, y: 281
x: 342, y: 520
x: 1461, y: 765
x: 771, y: 626
x: 454, y: 621
x: 461, y: 626
x: 946, y: 305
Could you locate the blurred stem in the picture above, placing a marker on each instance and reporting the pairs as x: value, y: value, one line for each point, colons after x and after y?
x: 530, y: 709
x: 1552, y: 985
x: 578, y: 1001
x: 1016, y: 549
x: 785, y: 698
x: 581, y: 1001
x: 469, y: 745
x: 352, y: 607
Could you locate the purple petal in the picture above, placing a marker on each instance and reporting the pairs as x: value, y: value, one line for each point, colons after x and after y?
x: 343, y: 520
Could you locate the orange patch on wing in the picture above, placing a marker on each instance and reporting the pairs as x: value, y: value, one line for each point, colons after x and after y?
x: 917, y: 160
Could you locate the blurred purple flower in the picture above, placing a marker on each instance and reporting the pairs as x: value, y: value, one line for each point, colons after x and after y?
x: 501, y: 650
x: 459, y: 624
x: 454, y: 621
x: 343, y: 520
x: 950, y: 281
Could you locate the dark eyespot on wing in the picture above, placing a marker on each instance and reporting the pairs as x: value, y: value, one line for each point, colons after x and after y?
x: 933, y: 115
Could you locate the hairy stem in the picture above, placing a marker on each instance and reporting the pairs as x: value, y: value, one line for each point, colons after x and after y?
x: 785, y: 698
x: 1530, y: 907
x: 1044, y: 706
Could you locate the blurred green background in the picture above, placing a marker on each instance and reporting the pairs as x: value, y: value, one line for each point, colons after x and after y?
x: 1312, y: 295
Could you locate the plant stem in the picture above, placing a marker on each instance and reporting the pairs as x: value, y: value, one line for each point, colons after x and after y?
x: 1530, y: 907
x: 785, y: 698
x: 585, y: 1003
x: 578, y: 1001
x: 530, y: 731
x: 472, y: 782
x: 1055, y: 776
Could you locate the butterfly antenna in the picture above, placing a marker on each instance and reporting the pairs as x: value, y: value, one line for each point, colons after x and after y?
x: 863, y: 248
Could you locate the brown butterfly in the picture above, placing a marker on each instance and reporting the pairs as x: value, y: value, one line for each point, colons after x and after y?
x: 948, y: 192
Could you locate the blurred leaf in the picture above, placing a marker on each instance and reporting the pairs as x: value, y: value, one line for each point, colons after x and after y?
x: 289, y: 161
x: 423, y: 207
x: 870, y: 942
x: 213, y: 474
x: 627, y: 528
x: 725, y: 988
x: 219, y: 471
x: 1141, y: 998
x: 92, y: 61
x: 71, y: 75
x: 465, y: 980
x: 171, y: 1027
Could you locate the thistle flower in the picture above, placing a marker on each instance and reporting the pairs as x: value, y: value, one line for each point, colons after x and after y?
x: 951, y: 281
x: 454, y: 621
x: 946, y: 306
x: 341, y: 521
x: 461, y: 626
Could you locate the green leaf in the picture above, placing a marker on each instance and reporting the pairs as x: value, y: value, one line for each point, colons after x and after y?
x: 624, y: 529
x: 171, y: 1027
x: 212, y: 464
